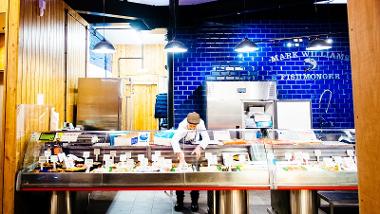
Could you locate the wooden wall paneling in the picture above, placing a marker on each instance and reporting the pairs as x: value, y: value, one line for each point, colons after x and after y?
x: 143, y: 99
x: 2, y: 52
x: 76, y: 61
x: 364, y: 31
x: 3, y: 6
x: 11, y: 77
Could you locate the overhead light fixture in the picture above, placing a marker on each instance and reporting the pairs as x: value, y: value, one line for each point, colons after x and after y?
x: 246, y: 46
x: 104, y: 47
x: 175, y: 46
x: 318, y: 45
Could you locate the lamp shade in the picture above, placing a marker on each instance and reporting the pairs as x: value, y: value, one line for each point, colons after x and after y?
x: 175, y: 46
x: 318, y: 44
x: 246, y: 46
x: 104, y: 47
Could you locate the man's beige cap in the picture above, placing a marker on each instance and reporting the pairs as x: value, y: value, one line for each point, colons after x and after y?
x: 193, y: 118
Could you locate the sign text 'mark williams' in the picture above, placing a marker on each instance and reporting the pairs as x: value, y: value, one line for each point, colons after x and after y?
x: 291, y: 55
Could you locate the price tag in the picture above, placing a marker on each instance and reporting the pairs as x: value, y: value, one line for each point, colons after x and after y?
x: 47, y: 153
x: 96, y: 151
x: 89, y: 162
x: 123, y: 158
x: 317, y: 152
x: 305, y: 156
x: 213, y: 160
x: 144, y: 162
x: 288, y: 156
x: 106, y: 157
x: 338, y: 159
x: 61, y: 157
x: 94, y: 139
x: 350, y: 152
x: 140, y: 157
x: 157, y: 153
x: 131, y: 162
x: 128, y: 154
x: 54, y: 158
x: 242, y: 158
x: 328, y: 161
x: 86, y: 155
x: 154, y: 158
x: 113, y: 154
x: 208, y: 155
x: 69, y: 136
x: 42, y: 159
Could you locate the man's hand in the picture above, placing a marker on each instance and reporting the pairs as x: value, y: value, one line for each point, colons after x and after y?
x: 197, y: 151
x: 180, y: 156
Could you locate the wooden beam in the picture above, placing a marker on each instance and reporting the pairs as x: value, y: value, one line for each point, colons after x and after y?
x: 11, y: 81
x: 364, y: 24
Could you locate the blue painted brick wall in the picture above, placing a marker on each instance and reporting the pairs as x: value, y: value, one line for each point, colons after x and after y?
x: 211, y: 47
x: 101, y: 60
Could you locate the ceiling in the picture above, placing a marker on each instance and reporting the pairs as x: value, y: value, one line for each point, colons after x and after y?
x: 150, y: 14
x: 166, y: 2
x: 132, y: 37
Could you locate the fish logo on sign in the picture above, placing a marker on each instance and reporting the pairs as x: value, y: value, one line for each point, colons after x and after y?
x: 312, y: 64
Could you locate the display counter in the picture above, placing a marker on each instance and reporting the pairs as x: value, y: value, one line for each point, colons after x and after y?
x: 234, y: 160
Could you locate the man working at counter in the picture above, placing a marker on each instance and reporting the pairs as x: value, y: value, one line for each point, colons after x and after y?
x: 189, y: 132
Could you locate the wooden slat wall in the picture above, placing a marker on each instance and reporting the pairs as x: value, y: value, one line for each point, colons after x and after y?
x: 3, y: 5
x: 36, y: 59
x: 364, y: 24
x: 145, y: 82
x: 76, y: 61
x: 2, y: 52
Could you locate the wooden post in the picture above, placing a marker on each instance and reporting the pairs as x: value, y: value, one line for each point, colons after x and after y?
x: 10, y: 94
x: 364, y: 24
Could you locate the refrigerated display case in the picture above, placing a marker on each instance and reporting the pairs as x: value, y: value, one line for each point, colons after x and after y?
x: 234, y: 160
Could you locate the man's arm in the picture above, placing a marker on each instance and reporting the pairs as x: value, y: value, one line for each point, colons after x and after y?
x: 178, y: 135
x: 205, y: 137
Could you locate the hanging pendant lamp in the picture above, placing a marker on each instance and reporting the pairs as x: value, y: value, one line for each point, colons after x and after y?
x: 246, y: 46
x: 175, y: 46
x: 318, y: 45
x: 104, y: 47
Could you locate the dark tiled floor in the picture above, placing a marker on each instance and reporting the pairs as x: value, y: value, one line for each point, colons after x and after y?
x: 160, y: 202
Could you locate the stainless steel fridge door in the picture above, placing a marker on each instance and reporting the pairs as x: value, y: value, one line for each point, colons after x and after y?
x: 99, y: 103
x: 224, y: 100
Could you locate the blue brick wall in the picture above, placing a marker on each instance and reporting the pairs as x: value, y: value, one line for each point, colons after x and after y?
x: 211, y: 48
x: 101, y: 60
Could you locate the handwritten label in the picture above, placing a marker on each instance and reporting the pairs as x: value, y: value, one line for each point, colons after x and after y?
x: 86, y: 154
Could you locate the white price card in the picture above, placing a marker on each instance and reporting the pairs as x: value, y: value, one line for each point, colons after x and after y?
x: 208, y: 155
x: 242, y: 158
x: 317, y: 152
x: 113, y: 153
x: 350, y: 153
x: 140, y: 157
x: 61, y: 157
x: 154, y: 158
x: 328, y: 161
x: 47, y: 153
x: 106, y: 157
x: 305, y: 156
x: 89, y: 162
x: 42, y: 159
x: 86, y: 155
x: 69, y: 136
x: 288, y: 156
x: 338, y: 159
x: 123, y: 158
x: 96, y: 151
x: 130, y: 162
x: 54, y: 158
x: 157, y: 153
x: 128, y: 154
